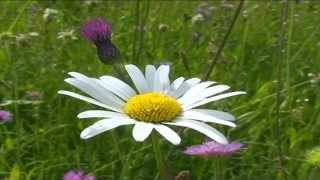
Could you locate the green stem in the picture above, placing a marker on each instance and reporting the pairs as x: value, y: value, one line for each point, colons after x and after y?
x: 119, y: 69
x: 278, y: 129
x: 158, y: 155
x: 202, y: 169
x: 116, y: 145
x: 141, y: 33
x: 135, y: 37
x: 219, y: 170
x: 226, y: 37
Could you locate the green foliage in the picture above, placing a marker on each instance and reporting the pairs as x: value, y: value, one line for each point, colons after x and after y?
x: 42, y: 141
x: 313, y: 156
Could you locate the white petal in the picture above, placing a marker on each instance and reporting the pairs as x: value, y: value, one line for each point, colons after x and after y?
x: 195, y: 92
x: 99, y: 114
x: 164, y: 71
x: 168, y: 133
x: 185, y: 86
x: 104, y: 125
x: 214, y: 90
x: 205, y: 118
x: 141, y: 131
x: 219, y: 114
x: 94, y: 89
x: 137, y: 78
x: 149, y: 73
x: 214, y: 98
x: 176, y: 83
x: 117, y: 86
x: 89, y: 100
x: 94, y: 92
x: 161, y: 80
x: 202, y: 128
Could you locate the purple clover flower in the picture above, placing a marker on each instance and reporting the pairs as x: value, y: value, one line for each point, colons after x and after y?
x: 5, y: 116
x: 213, y: 149
x: 98, y: 31
x: 77, y: 175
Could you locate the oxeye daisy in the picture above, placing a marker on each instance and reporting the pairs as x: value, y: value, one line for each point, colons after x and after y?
x: 155, y: 103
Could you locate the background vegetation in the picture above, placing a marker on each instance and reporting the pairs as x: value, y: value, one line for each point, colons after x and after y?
x: 272, y: 53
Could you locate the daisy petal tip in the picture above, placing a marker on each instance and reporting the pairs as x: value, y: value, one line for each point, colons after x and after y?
x: 223, y: 142
x: 177, y: 143
x: 85, y: 134
x: 60, y: 92
x: 138, y: 139
x: 129, y: 66
x: 68, y: 80
x: 80, y: 115
x: 242, y: 92
x: 71, y: 73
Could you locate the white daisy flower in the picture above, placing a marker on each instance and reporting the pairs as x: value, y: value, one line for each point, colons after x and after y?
x: 155, y: 104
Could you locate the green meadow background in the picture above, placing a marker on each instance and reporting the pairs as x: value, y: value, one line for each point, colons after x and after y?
x: 272, y: 53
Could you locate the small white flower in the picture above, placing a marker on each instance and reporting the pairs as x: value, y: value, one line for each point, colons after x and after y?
x: 197, y: 18
x: 70, y: 34
x: 155, y: 104
x: 48, y: 12
x: 91, y: 2
x: 33, y: 34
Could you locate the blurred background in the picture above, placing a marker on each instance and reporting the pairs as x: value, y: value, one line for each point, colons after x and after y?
x: 272, y: 53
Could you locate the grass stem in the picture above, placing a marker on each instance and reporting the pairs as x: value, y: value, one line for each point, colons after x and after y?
x: 278, y: 128
x: 226, y: 37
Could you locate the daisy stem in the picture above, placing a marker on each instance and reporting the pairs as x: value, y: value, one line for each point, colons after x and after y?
x: 158, y: 155
x: 116, y: 145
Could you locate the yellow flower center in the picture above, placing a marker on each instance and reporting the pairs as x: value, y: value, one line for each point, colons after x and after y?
x: 152, y: 107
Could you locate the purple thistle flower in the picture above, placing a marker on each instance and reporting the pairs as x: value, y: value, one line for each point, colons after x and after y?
x: 5, y: 116
x: 214, y: 149
x: 77, y: 175
x: 99, y: 31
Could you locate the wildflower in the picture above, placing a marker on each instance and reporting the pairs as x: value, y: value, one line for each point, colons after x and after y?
x: 227, y: 5
x: 206, y: 10
x: 77, y: 175
x: 163, y: 27
x: 22, y: 38
x: 99, y: 32
x: 183, y: 175
x: 5, y: 116
x: 33, y: 95
x: 25, y: 39
x: 213, y: 148
x: 156, y: 105
x: 197, y: 19
x: 49, y: 13
x: 33, y: 34
x: 313, y: 156
x: 69, y: 34
x: 91, y: 2
x: 140, y: 28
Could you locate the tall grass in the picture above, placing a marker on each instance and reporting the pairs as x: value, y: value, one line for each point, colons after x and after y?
x: 42, y: 142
